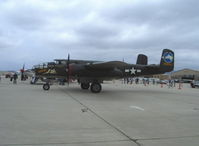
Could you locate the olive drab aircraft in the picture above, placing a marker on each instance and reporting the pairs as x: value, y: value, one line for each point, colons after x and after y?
x: 91, y: 74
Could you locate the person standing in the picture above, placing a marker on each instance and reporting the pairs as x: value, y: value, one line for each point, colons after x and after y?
x: 15, y: 77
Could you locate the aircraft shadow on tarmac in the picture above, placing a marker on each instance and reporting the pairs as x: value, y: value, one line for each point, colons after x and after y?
x: 112, y: 93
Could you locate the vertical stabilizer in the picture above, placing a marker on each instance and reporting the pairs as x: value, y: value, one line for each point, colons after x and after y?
x: 167, y: 61
x: 142, y: 59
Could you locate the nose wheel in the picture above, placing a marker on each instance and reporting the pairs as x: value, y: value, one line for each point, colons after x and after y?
x: 46, y: 86
x: 96, y: 87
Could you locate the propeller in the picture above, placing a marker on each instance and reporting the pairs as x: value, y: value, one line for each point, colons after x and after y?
x: 22, y: 72
x: 68, y: 69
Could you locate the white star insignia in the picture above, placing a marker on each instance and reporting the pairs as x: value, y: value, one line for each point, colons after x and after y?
x: 133, y: 70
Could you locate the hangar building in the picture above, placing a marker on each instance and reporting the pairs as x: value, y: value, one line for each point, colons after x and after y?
x: 188, y: 74
x: 184, y: 74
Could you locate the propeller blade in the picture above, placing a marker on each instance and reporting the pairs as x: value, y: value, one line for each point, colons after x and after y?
x: 22, y: 72
x: 68, y: 69
x: 23, y: 66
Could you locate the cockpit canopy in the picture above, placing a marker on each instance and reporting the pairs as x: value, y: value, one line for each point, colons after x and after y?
x: 44, y: 65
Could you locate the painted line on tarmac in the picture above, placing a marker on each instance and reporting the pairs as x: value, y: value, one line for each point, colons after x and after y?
x: 100, y: 117
x: 136, y: 107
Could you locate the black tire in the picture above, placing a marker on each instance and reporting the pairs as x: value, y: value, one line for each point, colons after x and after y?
x: 46, y: 86
x: 96, y: 87
x: 85, y: 86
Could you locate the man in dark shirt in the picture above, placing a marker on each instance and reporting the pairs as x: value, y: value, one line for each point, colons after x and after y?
x: 15, y: 76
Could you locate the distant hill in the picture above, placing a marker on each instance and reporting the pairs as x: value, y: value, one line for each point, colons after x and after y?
x: 5, y: 72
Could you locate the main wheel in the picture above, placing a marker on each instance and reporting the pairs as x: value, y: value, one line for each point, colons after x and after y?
x: 96, y: 87
x: 85, y: 85
x: 46, y: 86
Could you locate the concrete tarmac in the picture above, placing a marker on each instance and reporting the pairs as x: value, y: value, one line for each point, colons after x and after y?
x: 121, y: 115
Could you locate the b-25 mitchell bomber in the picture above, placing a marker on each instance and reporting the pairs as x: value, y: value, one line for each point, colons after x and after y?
x: 90, y: 74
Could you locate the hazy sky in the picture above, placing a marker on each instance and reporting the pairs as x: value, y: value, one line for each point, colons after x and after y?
x: 36, y: 31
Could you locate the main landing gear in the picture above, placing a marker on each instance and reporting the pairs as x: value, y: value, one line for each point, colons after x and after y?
x: 85, y: 86
x: 95, y: 87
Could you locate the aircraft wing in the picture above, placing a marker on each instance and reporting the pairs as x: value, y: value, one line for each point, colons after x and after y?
x: 155, y: 66
x: 106, y: 65
x: 75, y: 61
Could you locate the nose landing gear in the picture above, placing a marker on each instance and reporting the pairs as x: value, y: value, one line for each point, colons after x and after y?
x: 46, y: 86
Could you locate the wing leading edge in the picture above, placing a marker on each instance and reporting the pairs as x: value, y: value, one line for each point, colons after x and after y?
x: 106, y: 65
